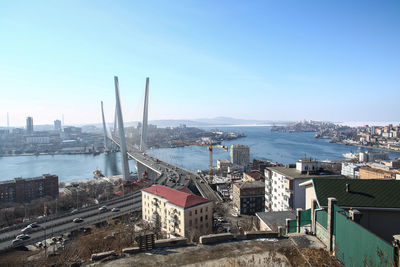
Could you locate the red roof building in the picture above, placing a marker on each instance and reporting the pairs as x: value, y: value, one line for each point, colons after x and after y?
x: 180, y: 198
x: 178, y: 212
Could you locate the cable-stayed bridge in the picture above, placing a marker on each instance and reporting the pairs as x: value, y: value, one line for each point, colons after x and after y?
x: 159, y: 172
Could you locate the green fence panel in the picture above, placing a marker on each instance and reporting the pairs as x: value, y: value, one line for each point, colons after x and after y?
x: 356, y: 246
x: 292, y: 226
x: 338, y: 210
x: 305, y: 217
x: 322, y: 218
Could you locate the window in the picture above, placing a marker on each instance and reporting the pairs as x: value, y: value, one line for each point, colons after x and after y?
x: 195, y: 211
x: 201, y: 210
x: 190, y: 213
x: 206, y: 209
x: 206, y: 217
x: 206, y: 225
x: 190, y: 222
x: 195, y: 220
x: 201, y: 218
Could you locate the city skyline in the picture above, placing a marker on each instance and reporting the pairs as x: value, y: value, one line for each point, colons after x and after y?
x: 334, y: 61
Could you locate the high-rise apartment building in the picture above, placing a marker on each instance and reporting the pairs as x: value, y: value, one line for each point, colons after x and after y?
x: 29, y: 125
x: 240, y: 155
x: 57, y: 125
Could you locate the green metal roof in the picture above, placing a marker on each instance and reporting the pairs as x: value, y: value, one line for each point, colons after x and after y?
x: 375, y: 193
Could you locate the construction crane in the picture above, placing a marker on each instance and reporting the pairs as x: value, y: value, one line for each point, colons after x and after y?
x: 210, y: 147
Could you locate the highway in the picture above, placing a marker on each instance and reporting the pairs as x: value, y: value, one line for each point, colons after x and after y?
x: 171, y: 175
x: 168, y: 175
x: 63, y: 224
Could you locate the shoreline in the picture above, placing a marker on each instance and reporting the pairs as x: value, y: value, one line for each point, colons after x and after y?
x: 45, y: 154
x: 370, y: 147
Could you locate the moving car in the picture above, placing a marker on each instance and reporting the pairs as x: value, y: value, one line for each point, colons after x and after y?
x: 115, y: 209
x: 103, y: 209
x: 23, y: 237
x: 77, y: 220
x: 16, y: 242
x: 34, y: 225
x: 26, y: 230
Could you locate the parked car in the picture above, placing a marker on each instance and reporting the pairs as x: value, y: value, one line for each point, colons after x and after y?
x: 77, y: 220
x: 74, y: 211
x: 23, y: 237
x: 115, y: 209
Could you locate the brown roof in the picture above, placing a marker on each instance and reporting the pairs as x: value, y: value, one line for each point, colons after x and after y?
x: 176, y: 197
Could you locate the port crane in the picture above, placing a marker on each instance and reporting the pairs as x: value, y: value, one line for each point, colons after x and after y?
x: 210, y: 147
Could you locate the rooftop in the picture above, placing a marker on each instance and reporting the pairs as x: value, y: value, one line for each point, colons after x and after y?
x: 255, y: 184
x: 292, y: 173
x: 273, y: 219
x: 176, y: 197
x: 376, y: 193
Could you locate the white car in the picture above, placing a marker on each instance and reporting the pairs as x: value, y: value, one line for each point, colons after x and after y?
x: 115, y: 209
x: 17, y: 242
x: 27, y: 230
x: 103, y: 209
x: 23, y: 237
x: 77, y: 220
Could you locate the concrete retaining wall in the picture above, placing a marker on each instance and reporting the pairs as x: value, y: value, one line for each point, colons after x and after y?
x: 172, y: 242
x: 211, y: 239
x: 260, y: 234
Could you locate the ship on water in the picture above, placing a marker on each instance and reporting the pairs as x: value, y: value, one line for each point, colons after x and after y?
x: 350, y: 155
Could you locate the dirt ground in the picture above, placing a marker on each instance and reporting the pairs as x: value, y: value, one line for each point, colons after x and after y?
x: 241, y: 253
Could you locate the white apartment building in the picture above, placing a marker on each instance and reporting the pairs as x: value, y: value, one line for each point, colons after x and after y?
x: 351, y: 170
x: 282, y: 190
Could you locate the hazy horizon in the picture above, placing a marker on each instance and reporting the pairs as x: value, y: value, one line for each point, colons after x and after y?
x: 264, y: 60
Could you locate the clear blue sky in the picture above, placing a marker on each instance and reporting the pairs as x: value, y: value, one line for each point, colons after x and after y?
x: 268, y: 60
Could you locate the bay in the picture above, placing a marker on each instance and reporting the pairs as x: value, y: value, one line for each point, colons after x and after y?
x: 274, y: 146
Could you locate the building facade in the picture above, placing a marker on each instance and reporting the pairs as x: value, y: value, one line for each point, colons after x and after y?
x: 249, y: 197
x: 29, y: 125
x: 24, y: 190
x: 180, y: 213
x: 351, y: 170
x: 282, y: 190
x: 368, y: 172
x: 240, y: 155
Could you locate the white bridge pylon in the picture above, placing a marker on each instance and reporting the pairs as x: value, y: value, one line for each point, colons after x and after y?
x: 119, y: 127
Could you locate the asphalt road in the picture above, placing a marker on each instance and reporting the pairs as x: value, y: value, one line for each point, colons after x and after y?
x: 65, y: 224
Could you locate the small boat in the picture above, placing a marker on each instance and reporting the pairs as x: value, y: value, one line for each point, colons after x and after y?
x: 97, y: 174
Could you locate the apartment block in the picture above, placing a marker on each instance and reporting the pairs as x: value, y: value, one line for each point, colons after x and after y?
x: 282, y: 190
x: 25, y: 190
x: 180, y: 212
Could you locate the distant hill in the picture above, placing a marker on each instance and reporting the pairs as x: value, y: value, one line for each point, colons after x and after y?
x: 202, y: 122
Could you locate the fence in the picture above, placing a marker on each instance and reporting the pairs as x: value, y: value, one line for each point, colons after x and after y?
x: 356, y: 246
x: 292, y: 226
x: 322, y: 218
x: 304, y: 220
x: 353, y: 244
